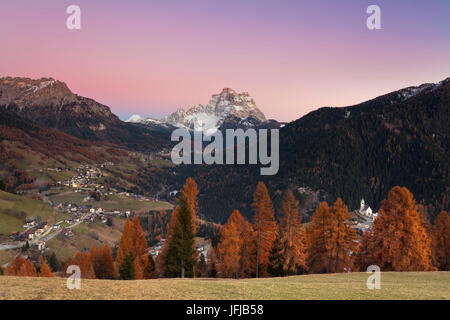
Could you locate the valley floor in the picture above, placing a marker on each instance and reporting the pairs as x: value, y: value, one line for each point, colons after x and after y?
x: 394, y: 285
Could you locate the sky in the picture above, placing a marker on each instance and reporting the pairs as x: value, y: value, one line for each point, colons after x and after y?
x: 151, y: 57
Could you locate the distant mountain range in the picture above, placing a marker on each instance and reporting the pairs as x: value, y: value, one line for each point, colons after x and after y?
x: 360, y: 151
x: 50, y: 103
x: 227, y: 109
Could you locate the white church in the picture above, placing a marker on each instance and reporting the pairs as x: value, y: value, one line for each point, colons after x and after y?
x: 365, y: 210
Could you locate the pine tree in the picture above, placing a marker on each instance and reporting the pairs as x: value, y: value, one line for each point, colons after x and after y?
x: 276, y: 259
x: 264, y: 227
x: 126, y: 269
x: 292, y: 236
x: 53, y: 262
x: 400, y: 242
x: 441, y: 241
x: 319, y: 240
x: 190, y: 193
x: 181, y: 254
x: 202, y: 267
x: 212, y: 263
x: 44, y: 268
x: 150, y: 271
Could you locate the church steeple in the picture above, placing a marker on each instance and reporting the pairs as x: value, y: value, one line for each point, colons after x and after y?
x: 362, y: 204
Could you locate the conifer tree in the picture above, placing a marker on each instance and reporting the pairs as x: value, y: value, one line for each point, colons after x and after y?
x: 126, y: 269
x: 364, y: 257
x: 109, y: 272
x: 44, y: 268
x: 181, y: 252
x: 400, y: 242
x: 292, y: 236
x: 230, y: 246
x: 84, y: 262
x: 212, y: 263
x: 14, y: 265
x: 264, y: 226
x: 27, y: 269
x: 276, y: 260
x: 134, y: 244
x: 343, y: 238
x: 103, y: 262
x: 53, y: 262
x: 441, y: 241
x: 319, y: 240
x: 126, y: 246
x: 141, y: 262
x: 202, y: 267
x: 190, y: 193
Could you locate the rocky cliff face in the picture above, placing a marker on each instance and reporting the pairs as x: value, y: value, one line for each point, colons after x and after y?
x: 50, y: 103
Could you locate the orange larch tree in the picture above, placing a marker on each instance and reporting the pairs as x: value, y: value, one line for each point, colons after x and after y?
x: 318, y: 237
x: 364, y: 256
x: 230, y: 246
x: 141, y: 262
x: 14, y: 265
x: 109, y: 271
x: 441, y: 241
x: 103, y: 262
x: 125, y: 244
x: 344, y: 243
x: 400, y: 241
x: 190, y: 193
x: 264, y: 226
x: 84, y: 262
x: 44, y: 268
x: 292, y: 236
x: 27, y: 269
x: 133, y: 244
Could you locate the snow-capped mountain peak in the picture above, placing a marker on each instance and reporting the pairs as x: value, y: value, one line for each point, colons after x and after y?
x: 135, y: 118
x: 227, y: 105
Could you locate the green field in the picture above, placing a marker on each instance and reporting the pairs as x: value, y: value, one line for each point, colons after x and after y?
x: 113, y: 202
x: 13, y: 208
x: 405, y: 285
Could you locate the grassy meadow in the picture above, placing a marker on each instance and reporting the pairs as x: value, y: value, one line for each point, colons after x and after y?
x: 394, y: 285
x: 12, y: 206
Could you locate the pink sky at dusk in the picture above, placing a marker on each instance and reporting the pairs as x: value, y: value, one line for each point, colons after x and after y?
x: 151, y: 57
